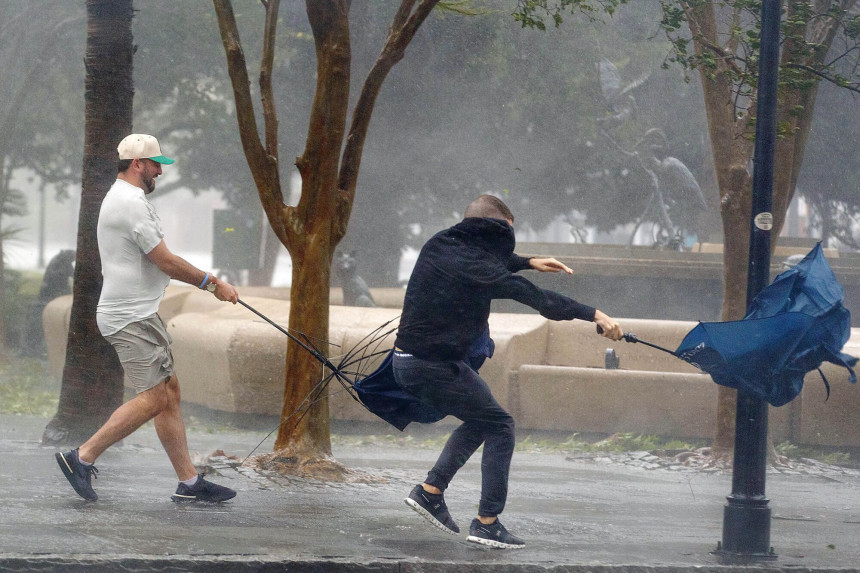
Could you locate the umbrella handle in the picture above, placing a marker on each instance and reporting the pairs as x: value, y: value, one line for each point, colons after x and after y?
x: 627, y: 337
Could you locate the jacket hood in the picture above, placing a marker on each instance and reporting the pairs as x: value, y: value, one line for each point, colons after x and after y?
x: 493, y: 235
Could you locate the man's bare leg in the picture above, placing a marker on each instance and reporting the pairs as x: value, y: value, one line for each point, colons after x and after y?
x: 171, y: 431
x: 124, y: 420
x: 431, y: 489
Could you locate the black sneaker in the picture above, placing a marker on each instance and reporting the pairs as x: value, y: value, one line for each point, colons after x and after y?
x: 432, y: 508
x: 494, y: 535
x: 202, y: 490
x: 78, y: 474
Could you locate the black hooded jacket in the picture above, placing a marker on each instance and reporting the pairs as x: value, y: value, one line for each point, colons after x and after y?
x: 458, y: 273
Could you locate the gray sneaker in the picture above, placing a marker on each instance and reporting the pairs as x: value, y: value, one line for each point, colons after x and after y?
x: 493, y: 535
x: 432, y: 508
x: 202, y: 490
x: 78, y: 474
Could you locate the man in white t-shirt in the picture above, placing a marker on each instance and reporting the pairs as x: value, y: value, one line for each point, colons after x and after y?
x: 137, y: 266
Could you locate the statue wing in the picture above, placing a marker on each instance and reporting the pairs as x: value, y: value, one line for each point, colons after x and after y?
x: 682, y: 192
x: 610, y: 81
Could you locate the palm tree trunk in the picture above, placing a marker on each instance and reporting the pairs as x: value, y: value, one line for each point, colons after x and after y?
x: 92, y: 385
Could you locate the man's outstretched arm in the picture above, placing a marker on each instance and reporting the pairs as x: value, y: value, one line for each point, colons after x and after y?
x: 178, y: 268
x: 549, y: 265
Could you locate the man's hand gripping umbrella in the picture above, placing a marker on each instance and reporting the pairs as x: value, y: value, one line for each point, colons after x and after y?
x: 630, y: 337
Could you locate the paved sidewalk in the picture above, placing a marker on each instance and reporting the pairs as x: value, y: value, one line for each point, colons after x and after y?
x: 575, y: 515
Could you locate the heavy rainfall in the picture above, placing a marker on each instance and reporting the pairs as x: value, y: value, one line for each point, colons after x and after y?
x: 561, y: 123
x: 595, y: 132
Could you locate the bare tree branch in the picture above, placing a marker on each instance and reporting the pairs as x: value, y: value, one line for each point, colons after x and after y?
x: 400, y: 34
x: 270, y: 115
x: 264, y: 165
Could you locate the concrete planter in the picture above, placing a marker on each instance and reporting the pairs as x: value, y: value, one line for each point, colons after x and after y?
x: 549, y: 375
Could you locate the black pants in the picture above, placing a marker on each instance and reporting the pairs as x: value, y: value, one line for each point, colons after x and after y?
x: 457, y: 390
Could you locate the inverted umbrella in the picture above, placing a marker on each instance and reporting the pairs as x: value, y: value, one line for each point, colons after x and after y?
x: 378, y: 392
x: 793, y: 325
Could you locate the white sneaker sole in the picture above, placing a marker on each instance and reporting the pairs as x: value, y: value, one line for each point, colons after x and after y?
x: 428, y: 516
x: 491, y: 543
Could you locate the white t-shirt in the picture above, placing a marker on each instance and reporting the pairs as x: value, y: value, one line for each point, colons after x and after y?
x: 128, y: 229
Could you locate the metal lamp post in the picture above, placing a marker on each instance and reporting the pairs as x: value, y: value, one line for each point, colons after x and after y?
x: 746, y: 516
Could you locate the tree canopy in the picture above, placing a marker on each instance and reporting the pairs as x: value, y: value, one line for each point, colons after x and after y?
x: 493, y: 104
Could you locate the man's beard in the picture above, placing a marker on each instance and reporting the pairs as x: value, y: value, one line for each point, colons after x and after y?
x: 149, y: 183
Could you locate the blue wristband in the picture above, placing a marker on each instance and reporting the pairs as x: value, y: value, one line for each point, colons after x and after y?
x: 205, y: 280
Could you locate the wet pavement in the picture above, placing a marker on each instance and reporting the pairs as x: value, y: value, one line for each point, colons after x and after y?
x: 620, y: 512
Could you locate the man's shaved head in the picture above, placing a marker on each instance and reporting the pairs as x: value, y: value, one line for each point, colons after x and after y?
x: 489, y: 206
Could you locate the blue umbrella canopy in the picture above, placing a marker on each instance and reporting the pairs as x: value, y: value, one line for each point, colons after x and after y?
x: 381, y: 394
x: 793, y: 325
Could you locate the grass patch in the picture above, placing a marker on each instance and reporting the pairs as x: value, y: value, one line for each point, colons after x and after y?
x: 430, y: 442
x: 25, y: 388
x: 554, y: 443
x: 531, y: 443
x: 623, y: 442
x: 818, y: 453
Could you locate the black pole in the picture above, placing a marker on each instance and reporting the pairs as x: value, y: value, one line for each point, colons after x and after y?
x: 746, y: 517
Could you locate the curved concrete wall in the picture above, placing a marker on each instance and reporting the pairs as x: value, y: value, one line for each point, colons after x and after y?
x: 550, y: 375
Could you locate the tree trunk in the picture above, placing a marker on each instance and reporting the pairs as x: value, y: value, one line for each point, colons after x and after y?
x: 312, y: 229
x: 735, y: 209
x: 307, y: 435
x: 309, y: 236
x: 733, y: 150
x: 92, y: 386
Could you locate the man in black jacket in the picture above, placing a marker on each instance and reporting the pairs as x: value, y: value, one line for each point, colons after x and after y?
x: 458, y: 273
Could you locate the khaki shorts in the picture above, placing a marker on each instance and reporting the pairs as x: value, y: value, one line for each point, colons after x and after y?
x: 143, y: 348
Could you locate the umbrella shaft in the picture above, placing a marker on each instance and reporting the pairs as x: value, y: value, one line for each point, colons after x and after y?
x: 314, y: 352
x: 672, y: 352
x: 630, y: 337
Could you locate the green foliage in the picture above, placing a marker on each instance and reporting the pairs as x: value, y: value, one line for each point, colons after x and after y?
x: 479, y: 103
x: 803, y: 64
x: 25, y: 389
x: 184, y: 96
x: 20, y: 292
x: 431, y: 442
x: 492, y: 107
x: 542, y: 443
x: 40, y: 128
x: 623, y: 442
x: 822, y: 454
x: 635, y: 442
x: 534, y: 13
x: 787, y: 449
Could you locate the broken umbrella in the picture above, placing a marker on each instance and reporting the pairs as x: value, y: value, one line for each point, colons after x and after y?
x: 794, y: 325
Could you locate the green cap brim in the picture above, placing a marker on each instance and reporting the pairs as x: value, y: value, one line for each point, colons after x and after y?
x: 162, y: 159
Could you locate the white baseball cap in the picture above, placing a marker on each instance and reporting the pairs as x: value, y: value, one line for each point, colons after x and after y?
x: 142, y: 146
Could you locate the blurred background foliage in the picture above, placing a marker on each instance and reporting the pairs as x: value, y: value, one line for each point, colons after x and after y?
x: 479, y: 104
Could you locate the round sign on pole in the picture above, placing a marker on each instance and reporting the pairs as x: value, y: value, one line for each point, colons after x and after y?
x: 764, y: 221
